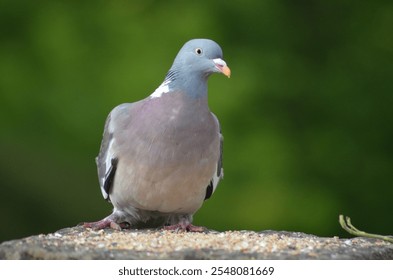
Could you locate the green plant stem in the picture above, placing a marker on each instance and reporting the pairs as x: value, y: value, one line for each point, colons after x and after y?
x: 346, y: 224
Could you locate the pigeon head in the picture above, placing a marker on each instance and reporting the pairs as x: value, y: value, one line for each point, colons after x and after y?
x: 195, y: 62
x: 201, y: 57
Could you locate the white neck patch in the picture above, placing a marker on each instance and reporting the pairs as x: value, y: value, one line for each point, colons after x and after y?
x: 163, y: 88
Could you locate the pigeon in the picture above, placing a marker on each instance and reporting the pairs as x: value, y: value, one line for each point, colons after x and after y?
x: 161, y: 157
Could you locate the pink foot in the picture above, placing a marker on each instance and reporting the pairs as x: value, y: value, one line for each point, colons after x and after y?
x: 106, y: 223
x: 185, y: 227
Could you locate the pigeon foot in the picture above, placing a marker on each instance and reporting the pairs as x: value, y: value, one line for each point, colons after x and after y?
x: 106, y: 223
x: 185, y: 227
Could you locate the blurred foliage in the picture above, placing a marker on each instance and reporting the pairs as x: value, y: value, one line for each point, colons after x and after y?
x: 307, y: 114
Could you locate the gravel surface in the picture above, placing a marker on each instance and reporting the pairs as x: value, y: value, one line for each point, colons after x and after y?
x: 81, y: 243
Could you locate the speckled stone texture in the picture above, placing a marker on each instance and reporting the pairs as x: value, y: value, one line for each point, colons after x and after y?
x: 81, y: 243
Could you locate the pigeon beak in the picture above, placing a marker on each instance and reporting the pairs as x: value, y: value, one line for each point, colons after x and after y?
x: 221, y: 65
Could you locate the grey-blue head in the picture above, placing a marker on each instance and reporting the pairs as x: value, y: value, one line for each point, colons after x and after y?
x: 195, y: 62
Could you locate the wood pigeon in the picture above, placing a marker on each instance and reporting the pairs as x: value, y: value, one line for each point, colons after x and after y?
x: 161, y: 157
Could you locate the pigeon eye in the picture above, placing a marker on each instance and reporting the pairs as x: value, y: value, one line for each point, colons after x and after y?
x: 198, y: 51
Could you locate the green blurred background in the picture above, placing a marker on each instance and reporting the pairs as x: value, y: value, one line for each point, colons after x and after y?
x: 307, y: 115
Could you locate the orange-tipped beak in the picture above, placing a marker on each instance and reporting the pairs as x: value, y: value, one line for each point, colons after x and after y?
x: 226, y: 71
x: 222, y: 67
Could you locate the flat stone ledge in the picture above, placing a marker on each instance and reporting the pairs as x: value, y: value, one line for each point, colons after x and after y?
x: 81, y: 243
